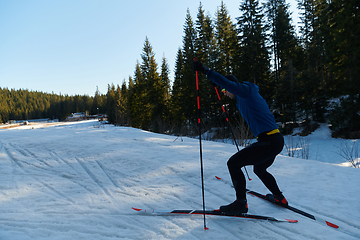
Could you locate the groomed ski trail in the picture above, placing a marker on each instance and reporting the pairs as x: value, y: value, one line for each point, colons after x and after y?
x: 77, y: 181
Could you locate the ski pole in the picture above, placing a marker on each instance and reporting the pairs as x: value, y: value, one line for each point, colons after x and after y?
x: 201, y: 161
x: 231, y: 129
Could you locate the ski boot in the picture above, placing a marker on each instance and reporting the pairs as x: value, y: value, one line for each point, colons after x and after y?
x: 278, y: 199
x: 236, y: 208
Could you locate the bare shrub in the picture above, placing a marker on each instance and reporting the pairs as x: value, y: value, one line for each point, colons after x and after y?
x: 350, y: 152
x: 298, y: 147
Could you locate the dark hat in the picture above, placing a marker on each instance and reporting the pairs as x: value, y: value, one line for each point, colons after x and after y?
x: 232, y: 78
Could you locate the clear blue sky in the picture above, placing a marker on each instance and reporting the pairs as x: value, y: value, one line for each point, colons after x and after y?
x: 72, y: 46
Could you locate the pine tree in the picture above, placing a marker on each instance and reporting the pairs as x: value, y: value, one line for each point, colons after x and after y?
x: 129, y: 98
x: 154, y: 92
x: 165, y: 80
x: 312, y: 80
x: 254, y: 56
x: 139, y: 108
x: 204, y: 49
x: 120, y: 105
x: 165, y: 94
x: 284, y: 35
x: 343, y: 45
x: 287, y: 57
x: 111, y: 103
x: 177, y: 94
x: 225, y: 34
x: 125, y: 104
x: 270, y: 11
x: 151, y: 77
x: 95, y: 108
x: 147, y: 96
x: 205, y: 35
x: 188, y: 84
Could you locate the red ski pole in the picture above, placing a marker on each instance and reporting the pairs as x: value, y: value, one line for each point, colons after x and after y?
x: 201, y: 161
x: 231, y: 129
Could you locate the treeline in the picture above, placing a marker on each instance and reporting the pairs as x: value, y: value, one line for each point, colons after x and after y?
x: 24, y: 104
x: 312, y: 75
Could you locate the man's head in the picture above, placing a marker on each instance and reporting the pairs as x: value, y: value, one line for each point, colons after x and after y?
x: 232, y: 78
x: 227, y: 93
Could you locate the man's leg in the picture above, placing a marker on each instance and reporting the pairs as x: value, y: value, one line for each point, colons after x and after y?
x: 251, y: 155
x: 269, y: 181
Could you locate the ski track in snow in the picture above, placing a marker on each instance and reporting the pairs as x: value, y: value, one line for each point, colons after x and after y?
x: 77, y: 181
x: 21, y: 166
x: 352, y: 228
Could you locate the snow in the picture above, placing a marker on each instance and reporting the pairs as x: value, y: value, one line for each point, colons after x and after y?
x: 322, y: 147
x: 80, y: 180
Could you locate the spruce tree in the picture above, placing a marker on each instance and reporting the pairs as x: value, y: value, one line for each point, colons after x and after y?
x: 95, y: 108
x: 137, y: 103
x: 313, y: 78
x: 162, y: 110
x: 111, y: 103
x: 204, y: 52
x: 121, y: 111
x: 177, y: 94
x: 165, y: 80
x: 188, y: 84
x: 287, y: 55
x: 148, y: 91
x: 270, y: 12
x: 130, y: 97
x: 204, y: 30
x: 225, y: 34
x: 343, y: 45
x: 254, y: 56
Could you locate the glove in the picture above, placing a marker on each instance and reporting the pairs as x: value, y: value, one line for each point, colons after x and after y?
x: 198, y: 66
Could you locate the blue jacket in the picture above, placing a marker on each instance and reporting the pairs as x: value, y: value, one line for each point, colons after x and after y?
x: 250, y: 103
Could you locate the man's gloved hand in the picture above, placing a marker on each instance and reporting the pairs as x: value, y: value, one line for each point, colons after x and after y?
x: 198, y: 66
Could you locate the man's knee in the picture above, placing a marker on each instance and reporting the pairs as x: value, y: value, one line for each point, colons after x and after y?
x: 230, y: 163
x: 259, y: 171
x: 234, y: 162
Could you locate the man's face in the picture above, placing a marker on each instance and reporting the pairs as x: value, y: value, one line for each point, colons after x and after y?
x: 229, y: 94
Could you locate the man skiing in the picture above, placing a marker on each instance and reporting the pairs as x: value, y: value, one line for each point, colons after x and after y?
x: 261, y: 154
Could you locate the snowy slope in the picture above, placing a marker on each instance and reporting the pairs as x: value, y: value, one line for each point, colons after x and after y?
x: 78, y: 181
x: 321, y: 146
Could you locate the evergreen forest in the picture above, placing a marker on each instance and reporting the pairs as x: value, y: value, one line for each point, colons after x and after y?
x: 307, y: 76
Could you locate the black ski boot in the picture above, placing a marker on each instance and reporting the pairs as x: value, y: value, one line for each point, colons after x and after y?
x: 278, y: 199
x: 236, y: 208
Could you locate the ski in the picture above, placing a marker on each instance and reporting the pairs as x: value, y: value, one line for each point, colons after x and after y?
x: 212, y: 213
x: 296, y: 210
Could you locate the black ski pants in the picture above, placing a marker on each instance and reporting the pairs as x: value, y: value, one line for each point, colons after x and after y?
x: 261, y: 155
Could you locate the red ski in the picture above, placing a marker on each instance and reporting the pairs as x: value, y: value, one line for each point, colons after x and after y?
x: 259, y: 195
x: 211, y: 212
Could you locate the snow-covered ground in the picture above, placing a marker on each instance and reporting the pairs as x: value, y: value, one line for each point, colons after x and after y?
x: 321, y: 147
x: 80, y: 180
